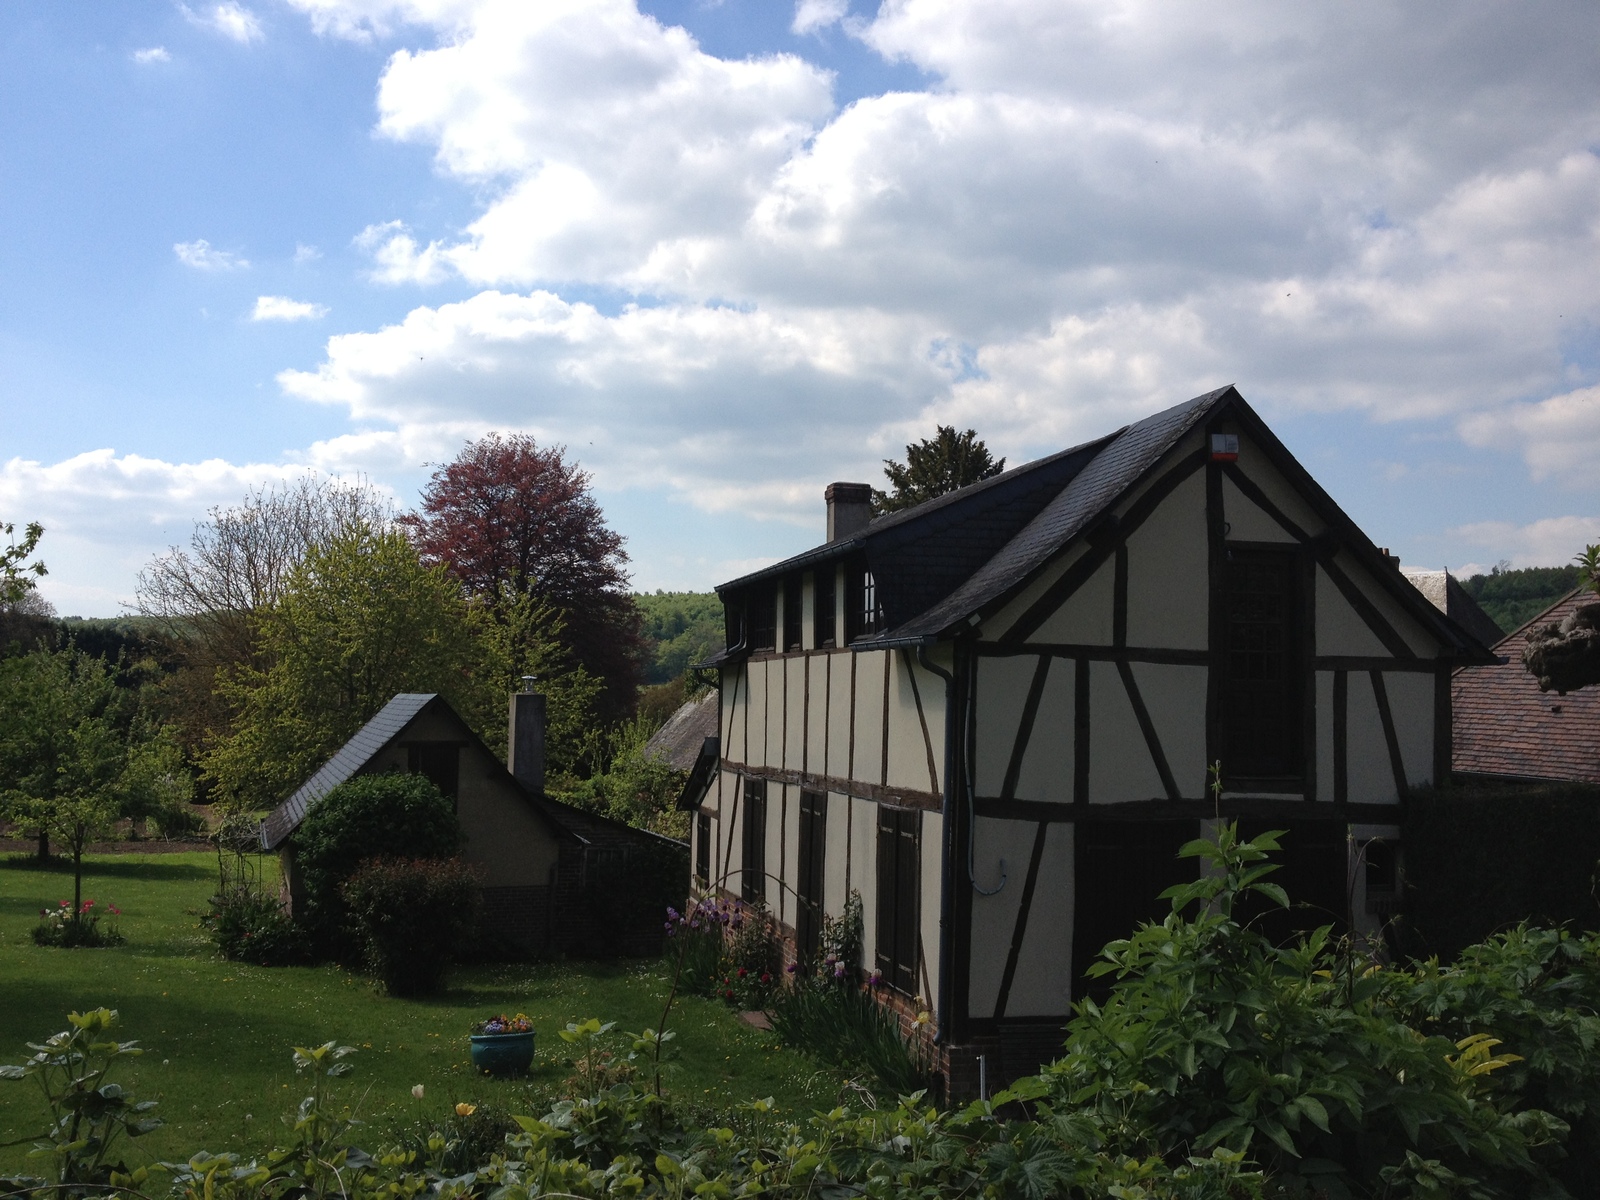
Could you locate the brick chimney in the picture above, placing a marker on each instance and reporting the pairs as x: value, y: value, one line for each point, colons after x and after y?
x: 525, y: 739
x: 849, y: 508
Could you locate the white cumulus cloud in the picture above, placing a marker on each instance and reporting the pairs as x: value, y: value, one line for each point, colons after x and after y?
x: 152, y: 54
x: 230, y: 19
x: 281, y: 308
x: 812, y: 15
x: 203, y: 256
x: 397, y: 257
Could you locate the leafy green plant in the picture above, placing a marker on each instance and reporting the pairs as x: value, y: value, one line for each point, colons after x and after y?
x: 411, y: 917
x: 249, y: 925
x: 88, y: 1113
x: 1215, y: 1037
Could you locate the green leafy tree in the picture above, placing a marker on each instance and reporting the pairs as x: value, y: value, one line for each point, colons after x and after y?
x: 358, y: 620
x: 75, y: 756
x: 17, y: 574
x: 934, y: 466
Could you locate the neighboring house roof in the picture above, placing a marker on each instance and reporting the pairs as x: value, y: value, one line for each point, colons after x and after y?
x: 1444, y: 591
x: 350, y: 758
x: 1505, y: 726
x: 678, y: 742
x: 964, y: 555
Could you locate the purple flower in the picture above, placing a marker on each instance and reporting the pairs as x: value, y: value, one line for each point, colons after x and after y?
x: 790, y: 969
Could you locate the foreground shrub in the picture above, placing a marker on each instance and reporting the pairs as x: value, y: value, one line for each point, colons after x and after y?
x: 371, y: 816
x: 1321, y: 1065
x: 249, y: 925
x: 411, y: 918
x: 62, y: 927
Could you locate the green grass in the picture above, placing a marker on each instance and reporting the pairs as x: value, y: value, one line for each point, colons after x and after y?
x: 217, y: 1035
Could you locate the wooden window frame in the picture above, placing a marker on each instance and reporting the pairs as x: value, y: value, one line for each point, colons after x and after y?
x: 438, y: 762
x: 1300, y: 673
x: 899, y: 851
x: 753, y: 843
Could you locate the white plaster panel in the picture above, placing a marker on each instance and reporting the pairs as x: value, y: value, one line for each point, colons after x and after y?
x: 1340, y: 629
x: 795, y: 743
x: 1002, y: 692
x: 1047, y: 764
x: 817, y: 722
x: 1371, y: 779
x: 1419, y: 639
x: 1175, y: 698
x: 1411, y: 706
x: 1120, y: 766
x: 836, y: 855
x: 869, y: 717
x: 1042, y: 985
x: 839, y: 666
x: 1246, y: 521
x: 864, y: 870
x: 1171, y: 546
x: 994, y: 917
x: 908, y: 749
x: 1324, y: 747
x: 1001, y: 623
x: 733, y: 837
x: 782, y: 804
x: 1085, y: 616
x: 932, y: 890
x: 772, y: 752
x: 1277, y: 489
x: 734, y: 699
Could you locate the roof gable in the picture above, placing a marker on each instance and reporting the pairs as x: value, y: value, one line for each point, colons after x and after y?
x: 390, y: 721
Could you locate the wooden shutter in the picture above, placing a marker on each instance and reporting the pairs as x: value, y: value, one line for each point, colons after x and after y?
x: 754, y: 867
x: 702, y: 847
x: 899, y: 870
x: 907, y: 874
x: 813, y: 843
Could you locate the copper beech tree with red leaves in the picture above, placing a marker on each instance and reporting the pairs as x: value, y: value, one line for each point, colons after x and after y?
x: 511, y: 518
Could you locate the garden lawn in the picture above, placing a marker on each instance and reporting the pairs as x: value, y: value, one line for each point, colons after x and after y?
x: 218, y: 1035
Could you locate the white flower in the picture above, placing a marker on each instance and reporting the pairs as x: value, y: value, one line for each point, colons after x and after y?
x: 417, y: 1091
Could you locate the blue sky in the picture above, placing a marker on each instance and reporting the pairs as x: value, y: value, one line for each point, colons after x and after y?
x: 729, y: 252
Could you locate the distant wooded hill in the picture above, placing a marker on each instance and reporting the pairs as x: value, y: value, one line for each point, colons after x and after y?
x: 1513, y: 598
x: 682, y: 628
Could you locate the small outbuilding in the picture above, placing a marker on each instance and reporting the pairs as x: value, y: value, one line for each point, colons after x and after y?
x: 555, y: 880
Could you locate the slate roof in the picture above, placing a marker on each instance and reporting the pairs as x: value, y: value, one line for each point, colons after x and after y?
x: 966, y: 553
x: 351, y: 757
x: 678, y: 742
x: 1505, y: 726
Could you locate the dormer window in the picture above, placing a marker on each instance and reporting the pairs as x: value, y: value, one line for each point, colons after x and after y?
x: 863, y: 606
x: 823, y: 616
x: 760, y: 613
x: 793, y: 606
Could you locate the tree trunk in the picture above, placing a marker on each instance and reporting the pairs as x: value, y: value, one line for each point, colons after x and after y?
x: 77, y: 881
x: 44, y: 845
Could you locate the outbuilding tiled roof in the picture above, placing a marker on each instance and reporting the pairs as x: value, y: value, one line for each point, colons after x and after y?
x: 351, y: 757
x: 1505, y: 726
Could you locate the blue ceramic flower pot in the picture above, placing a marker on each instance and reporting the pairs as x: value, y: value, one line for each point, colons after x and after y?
x: 502, y: 1053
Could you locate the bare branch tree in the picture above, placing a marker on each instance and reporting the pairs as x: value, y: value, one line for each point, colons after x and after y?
x: 239, y: 558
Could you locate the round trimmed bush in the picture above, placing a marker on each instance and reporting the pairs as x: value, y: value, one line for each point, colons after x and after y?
x: 371, y: 816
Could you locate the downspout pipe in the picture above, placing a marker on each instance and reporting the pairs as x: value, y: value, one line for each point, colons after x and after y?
x: 952, y: 722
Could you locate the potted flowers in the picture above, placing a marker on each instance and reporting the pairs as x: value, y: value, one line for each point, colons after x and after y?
x: 502, y: 1045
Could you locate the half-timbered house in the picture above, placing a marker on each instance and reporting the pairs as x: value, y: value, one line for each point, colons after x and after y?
x: 992, y: 715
